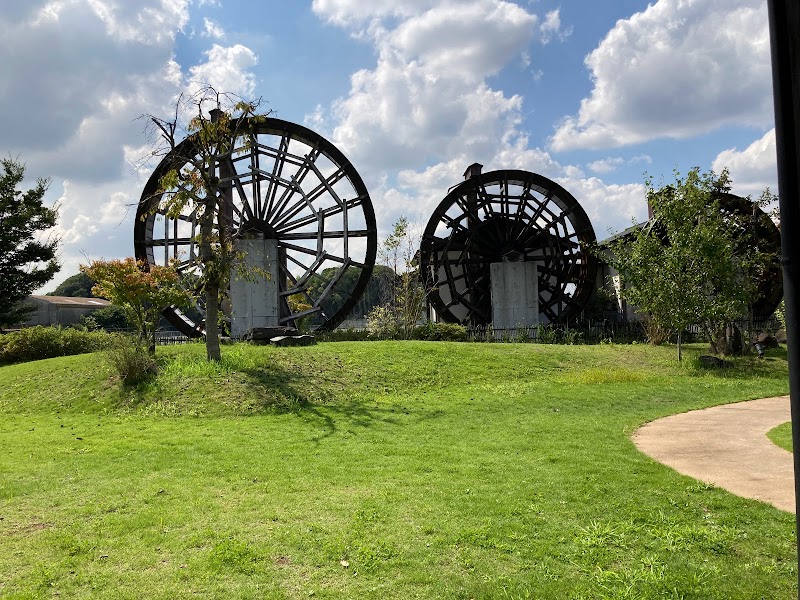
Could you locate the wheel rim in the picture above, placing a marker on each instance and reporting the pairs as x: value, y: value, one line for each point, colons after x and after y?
x: 508, y: 215
x: 293, y: 186
x: 763, y: 232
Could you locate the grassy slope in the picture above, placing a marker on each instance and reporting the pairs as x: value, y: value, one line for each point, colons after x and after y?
x: 431, y: 470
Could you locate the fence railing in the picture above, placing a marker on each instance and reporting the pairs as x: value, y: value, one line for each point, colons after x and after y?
x: 754, y: 326
x: 567, y: 333
x: 169, y: 338
x: 574, y: 333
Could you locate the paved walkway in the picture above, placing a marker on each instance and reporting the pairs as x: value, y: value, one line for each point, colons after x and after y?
x: 728, y: 447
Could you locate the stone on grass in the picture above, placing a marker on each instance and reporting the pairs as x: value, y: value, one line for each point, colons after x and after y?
x: 262, y: 335
x: 293, y: 340
x: 767, y: 340
x: 713, y: 362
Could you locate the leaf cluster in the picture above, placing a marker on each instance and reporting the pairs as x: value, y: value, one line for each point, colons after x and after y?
x: 27, y: 259
x: 142, y: 292
x: 694, y: 262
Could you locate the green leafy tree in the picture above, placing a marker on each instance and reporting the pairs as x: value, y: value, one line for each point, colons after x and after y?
x: 109, y: 318
x: 373, y: 295
x: 27, y: 259
x: 693, y: 263
x: 219, y: 128
x: 404, y: 294
x: 77, y: 286
x: 143, y: 293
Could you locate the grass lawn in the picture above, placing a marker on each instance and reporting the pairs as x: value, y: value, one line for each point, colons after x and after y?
x: 782, y: 436
x: 376, y: 470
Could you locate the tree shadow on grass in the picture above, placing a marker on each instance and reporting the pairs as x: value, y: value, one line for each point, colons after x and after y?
x: 744, y: 367
x: 325, y: 402
x: 328, y: 410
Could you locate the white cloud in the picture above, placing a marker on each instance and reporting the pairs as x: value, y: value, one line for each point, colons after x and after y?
x: 677, y: 69
x: 752, y: 169
x: 142, y: 22
x: 71, y: 68
x: 428, y: 101
x: 551, y: 27
x: 357, y: 12
x: 606, y: 165
x: 316, y: 120
x: 611, y: 208
x: 227, y: 69
x: 427, y: 98
x: 470, y: 40
x: 83, y: 71
x: 212, y: 30
x: 641, y: 158
x: 613, y: 163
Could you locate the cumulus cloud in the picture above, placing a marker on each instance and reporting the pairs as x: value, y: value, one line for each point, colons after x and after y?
x: 226, y: 69
x: 551, y: 27
x: 427, y: 97
x: 676, y: 69
x: 212, y: 30
x: 84, y: 70
x: 606, y: 165
x: 613, y: 163
x: 356, y: 12
x: 428, y: 101
x: 752, y: 169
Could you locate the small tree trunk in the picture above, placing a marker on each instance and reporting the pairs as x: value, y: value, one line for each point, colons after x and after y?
x: 680, y: 355
x: 212, y: 280
x: 212, y: 321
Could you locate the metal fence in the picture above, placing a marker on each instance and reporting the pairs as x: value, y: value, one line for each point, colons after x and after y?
x: 748, y: 327
x: 171, y: 337
x: 566, y: 333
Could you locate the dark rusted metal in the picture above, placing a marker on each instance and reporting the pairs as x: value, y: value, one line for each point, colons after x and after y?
x: 508, y: 215
x: 293, y: 186
x: 784, y: 30
x: 764, y: 233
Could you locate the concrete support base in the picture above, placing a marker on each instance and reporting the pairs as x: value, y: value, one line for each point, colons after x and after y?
x: 515, y: 294
x: 254, y: 286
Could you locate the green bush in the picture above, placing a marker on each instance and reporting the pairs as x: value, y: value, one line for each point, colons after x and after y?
x: 382, y: 323
x: 109, y: 318
x: 343, y: 335
x: 37, y: 343
x: 444, y: 332
x: 131, y: 360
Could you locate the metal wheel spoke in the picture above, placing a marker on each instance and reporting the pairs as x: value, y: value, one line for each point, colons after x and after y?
x: 285, y: 183
x: 503, y: 215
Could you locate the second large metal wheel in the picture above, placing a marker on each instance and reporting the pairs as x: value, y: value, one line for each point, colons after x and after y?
x: 508, y: 215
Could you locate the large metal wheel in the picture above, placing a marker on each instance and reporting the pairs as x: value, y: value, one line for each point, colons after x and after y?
x: 508, y: 215
x: 287, y: 184
x: 762, y: 232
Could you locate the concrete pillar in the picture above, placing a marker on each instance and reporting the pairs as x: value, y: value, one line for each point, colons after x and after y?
x: 254, y: 295
x: 515, y: 294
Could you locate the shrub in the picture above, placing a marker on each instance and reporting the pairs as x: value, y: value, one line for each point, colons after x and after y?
x: 109, y: 318
x: 131, y: 359
x: 655, y: 333
x: 446, y: 332
x: 37, y: 343
x: 382, y: 323
x: 342, y: 335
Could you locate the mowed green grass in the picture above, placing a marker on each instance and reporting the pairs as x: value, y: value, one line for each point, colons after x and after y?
x: 376, y: 470
x: 782, y: 436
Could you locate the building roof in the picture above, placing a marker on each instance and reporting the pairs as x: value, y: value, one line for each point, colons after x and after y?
x: 70, y: 301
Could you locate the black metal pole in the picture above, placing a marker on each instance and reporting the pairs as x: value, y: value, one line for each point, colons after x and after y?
x: 784, y: 27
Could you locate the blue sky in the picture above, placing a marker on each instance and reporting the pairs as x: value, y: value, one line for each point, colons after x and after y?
x: 592, y: 94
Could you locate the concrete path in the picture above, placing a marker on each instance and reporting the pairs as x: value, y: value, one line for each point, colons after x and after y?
x: 728, y: 447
